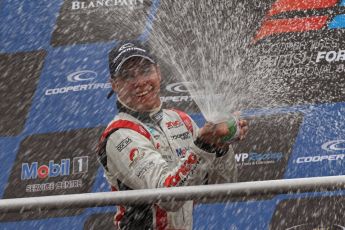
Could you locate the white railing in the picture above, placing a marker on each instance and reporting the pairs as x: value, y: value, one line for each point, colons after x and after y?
x: 202, y: 193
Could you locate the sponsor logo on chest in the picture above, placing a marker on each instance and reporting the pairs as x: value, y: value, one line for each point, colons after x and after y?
x: 182, y: 136
x: 173, y: 124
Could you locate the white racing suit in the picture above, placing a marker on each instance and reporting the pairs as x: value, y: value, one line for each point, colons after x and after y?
x: 156, y: 150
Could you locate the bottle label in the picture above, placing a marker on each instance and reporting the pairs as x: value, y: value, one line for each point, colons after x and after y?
x: 233, y: 130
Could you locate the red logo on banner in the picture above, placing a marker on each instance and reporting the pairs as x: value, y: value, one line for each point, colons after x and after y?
x: 277, y: 26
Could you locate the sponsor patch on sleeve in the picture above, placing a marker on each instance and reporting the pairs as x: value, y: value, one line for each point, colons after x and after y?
x: 135, y: 156
x: 141, y: 170
x: 123, y: 144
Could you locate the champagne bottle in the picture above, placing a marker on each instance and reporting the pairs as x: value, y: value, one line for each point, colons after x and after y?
x: 234, y: 130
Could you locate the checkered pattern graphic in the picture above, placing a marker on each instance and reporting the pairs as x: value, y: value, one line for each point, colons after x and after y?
x: 54, y: 82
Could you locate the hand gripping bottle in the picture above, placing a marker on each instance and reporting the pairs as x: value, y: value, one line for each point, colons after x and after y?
x: 234, y: 130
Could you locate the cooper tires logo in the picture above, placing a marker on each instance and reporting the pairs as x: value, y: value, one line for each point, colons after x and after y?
x: 83, y: 75
x: 85, y: 78
x: 179, y: 87
x: 336, y: 145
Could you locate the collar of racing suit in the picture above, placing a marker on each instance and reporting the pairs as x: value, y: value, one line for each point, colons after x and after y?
x: 145, y: 117
x: 156, y: 116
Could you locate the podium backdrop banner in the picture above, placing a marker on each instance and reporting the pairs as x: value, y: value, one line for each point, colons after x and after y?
x: 281, y: 63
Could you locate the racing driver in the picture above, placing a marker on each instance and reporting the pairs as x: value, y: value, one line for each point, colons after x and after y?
x: 148, y: 147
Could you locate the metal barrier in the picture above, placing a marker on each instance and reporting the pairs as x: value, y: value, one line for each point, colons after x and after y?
x: 202, y: 193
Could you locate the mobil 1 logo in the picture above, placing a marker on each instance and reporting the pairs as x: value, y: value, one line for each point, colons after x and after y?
x: 52, y: 169
x: 53, y: 164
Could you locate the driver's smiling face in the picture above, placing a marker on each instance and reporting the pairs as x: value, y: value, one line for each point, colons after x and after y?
x: 138, y: 84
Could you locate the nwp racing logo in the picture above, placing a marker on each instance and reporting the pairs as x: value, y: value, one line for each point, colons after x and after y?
x: 258, y: 158
x: 271, y: 26
x: 83, y: 76
x: 335, y: 147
